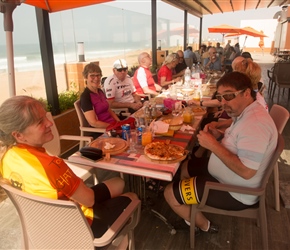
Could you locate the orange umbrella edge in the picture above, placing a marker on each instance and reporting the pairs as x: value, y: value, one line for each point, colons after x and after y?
x: 57, y: 5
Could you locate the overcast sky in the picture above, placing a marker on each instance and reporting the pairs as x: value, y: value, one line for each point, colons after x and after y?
x: 164, y: 10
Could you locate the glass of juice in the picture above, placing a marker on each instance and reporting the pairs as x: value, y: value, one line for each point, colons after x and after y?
x: 147, y: 136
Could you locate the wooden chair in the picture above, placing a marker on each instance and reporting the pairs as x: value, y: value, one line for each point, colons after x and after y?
x: 58, y: 224
x: 53, y: 148
x: 281, y: 78
x: 280, y: 116
x: 257, y: 212
x: 84, y: 125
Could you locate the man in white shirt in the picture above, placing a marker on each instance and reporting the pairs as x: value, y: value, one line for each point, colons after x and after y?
x: 120, y: 90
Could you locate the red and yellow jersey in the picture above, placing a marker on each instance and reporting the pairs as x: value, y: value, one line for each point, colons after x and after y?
x: 32, y: 170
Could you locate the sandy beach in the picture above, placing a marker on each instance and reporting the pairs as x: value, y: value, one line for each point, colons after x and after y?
x: 32, y: 82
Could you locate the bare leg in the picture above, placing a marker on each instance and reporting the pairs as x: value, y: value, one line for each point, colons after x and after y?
x: 199, y: 152
x: 183, y: 210
x: 116, y: 186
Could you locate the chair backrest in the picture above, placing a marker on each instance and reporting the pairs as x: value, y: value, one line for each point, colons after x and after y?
x: 279, y: 149
x: 50, y: 224
x: 53, y: 147
x: 82, y: 119
x: 280, y: 116
x: 281, y: 72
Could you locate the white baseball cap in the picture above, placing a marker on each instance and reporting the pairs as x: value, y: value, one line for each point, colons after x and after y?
x: 120, y: 64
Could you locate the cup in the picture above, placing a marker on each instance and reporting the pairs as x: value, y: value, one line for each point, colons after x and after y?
x: 132, y: 139
x: 147, y: 136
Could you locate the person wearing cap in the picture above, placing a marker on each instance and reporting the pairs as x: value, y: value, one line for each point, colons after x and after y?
x: 120, y: 90
x: 143, y: 79
x: 93, y: 101
x: 165, y: 72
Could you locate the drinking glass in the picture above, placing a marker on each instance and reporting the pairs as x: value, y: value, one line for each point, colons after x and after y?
x: 132, y: 139
x: 177, y: 109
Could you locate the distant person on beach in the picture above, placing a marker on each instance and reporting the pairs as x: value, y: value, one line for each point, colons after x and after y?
x: 93, y: 100
x: 120, y: 90
x: 165, y: 72
x: 143, y: 79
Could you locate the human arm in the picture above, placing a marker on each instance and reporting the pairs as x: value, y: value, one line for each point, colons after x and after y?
x: 164, y: 82
x: 133, y: 105
x: 84, y: 195
x: 208, y: 103
x: 92, y: 119
x: 146, y: 90
x: 207, y: 139
x: 180, y: 74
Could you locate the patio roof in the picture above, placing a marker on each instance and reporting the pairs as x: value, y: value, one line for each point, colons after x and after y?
x: 200, y: 8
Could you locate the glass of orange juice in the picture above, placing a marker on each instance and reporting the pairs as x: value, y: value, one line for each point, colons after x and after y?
x: 147, y: 136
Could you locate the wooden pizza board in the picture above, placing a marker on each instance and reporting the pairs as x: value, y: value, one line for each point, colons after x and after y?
x: 198, y: 110
x: 120, y: 145
x: 167, y: 161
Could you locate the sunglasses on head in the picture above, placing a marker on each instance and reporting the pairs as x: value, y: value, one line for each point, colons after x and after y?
x: 122, y: 69
x: 229, y: 96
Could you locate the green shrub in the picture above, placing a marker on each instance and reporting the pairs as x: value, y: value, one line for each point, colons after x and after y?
x: 66, y: 100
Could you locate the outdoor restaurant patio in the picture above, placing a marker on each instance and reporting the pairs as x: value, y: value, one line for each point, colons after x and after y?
x: 153, y: 233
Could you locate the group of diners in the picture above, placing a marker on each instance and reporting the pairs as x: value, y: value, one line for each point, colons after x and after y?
x: 239, y: 154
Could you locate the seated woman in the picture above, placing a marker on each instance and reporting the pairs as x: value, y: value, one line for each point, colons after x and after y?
x: 165, y: 72
x: 93, y: 100
x: 24, y: 129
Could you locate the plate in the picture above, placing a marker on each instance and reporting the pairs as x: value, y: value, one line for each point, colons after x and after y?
x: 198, y: 110
x: 140, y: 113
x: 120, y: 145
x: 181, y: 158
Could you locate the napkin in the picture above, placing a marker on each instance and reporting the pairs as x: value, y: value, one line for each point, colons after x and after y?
x: 160, y: 127
x: 186, y: 127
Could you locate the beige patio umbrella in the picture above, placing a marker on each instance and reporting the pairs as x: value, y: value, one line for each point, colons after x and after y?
x: 7, y: 7
x: 248, y: 31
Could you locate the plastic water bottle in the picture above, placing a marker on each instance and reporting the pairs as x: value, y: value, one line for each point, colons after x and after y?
x: 187, y: 75
x: 193, y: 70
x: 197, y: 71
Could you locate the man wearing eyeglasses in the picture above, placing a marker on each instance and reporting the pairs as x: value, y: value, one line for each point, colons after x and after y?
x: 213, y: 62
x: 239, y: 156
x: 120, y: 90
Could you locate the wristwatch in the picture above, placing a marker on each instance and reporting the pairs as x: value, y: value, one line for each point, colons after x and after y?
x: 201, y: 102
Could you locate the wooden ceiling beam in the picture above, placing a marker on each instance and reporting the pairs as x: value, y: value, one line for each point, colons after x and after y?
x: 203, y: 6
x: 270, y: 3
x: 258, y: 3
x: 217, y: 5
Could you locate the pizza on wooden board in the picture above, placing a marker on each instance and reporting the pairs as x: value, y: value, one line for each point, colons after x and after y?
x: 163, y: 151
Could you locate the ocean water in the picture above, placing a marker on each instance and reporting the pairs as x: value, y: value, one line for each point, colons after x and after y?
x: 27, y: 56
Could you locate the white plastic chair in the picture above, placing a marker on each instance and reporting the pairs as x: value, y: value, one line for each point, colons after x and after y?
x: 280, y: 116
x: 58, y: 224
x: 53, y: 148
x: 84, y: 125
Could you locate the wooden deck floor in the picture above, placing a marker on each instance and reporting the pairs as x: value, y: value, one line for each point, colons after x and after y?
x: 234, y: 234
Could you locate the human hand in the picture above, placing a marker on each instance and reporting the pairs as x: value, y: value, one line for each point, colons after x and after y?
x: 193, y: 102
x: 136, y: 105
x: 206, y: 139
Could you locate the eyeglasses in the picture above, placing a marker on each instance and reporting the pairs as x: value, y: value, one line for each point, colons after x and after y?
x: 95, y: 75
x: 122, y: 69
x: 229, y: 96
